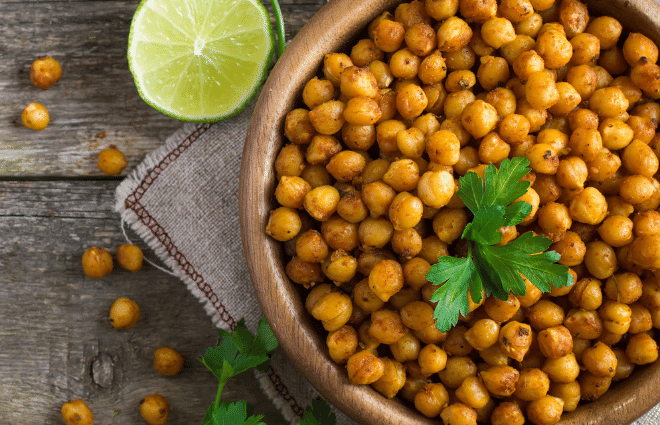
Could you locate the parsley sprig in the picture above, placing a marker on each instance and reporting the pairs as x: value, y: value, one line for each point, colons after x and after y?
x: 497, y: 269
x: 237, y: 352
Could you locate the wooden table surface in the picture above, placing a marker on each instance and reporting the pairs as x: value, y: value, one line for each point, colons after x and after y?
x: 55, y: 203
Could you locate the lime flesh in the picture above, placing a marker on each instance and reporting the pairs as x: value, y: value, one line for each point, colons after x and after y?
x: 199, y: 60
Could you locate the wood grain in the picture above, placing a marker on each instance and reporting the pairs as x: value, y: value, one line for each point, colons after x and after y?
x: 54, y: 323
x: 95, y: 103
x: 280, y: 299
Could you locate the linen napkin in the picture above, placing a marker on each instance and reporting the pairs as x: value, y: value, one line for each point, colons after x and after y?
x: 182, y: 200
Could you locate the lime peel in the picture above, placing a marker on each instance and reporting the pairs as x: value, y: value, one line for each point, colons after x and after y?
x: 200, y: 60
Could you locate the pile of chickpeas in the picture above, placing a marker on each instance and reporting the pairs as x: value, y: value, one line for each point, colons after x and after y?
x: 367, y: 192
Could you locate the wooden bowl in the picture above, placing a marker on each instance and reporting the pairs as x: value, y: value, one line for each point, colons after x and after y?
x: 333, y: 28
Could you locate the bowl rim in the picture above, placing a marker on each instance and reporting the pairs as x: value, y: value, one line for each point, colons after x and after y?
x: 329, y: 30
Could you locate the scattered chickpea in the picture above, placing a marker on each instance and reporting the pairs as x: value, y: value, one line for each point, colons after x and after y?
x: 76, y: 412
x: 124, y: 313
x: 111, y: 161
x: 130, y: 257
x: 35, y: 116
x: 45, y: 72
x: 154, y: 409
x: 96, y: 262
x: 168, y: 361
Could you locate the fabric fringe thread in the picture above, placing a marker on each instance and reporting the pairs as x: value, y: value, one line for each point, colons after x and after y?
x: 128, y: 186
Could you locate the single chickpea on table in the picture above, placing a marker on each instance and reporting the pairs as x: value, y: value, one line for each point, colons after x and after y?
x: 154, y: 409
x: 367, y: 193
x: 76, y: 412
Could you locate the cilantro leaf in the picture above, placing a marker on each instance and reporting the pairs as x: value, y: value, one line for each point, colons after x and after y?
x: 239, y: 351
x: 459, y: 275
x: 471, y: 191
x: 504, y: 186
x: 234, y: 414
x: 318, y: 413
x: 527, y: 256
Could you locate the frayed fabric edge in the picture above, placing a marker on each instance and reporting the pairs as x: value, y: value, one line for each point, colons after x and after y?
x: 128, y: 186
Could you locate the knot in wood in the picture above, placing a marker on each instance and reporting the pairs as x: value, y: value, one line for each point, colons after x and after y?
x: 103, y: 370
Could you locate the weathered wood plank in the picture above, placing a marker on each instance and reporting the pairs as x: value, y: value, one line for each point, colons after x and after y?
x: 95, y: 103
x: 54, y: 320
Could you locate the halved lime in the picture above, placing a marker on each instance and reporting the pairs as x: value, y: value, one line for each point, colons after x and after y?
x: 199, y: 60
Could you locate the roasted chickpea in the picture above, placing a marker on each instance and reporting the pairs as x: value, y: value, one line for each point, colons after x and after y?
x: 642, y: 349
x: 554, y: 48
x: 393, y: 379
x: 501, y: 311
x: 500, y: 380
x: 493, y: 149
x: 411, y: 101
x: 555, y: 342
x: 477, y: 10
x: 586, y: 49
x: 600, y: 360
x: 638, y: 46
x: 637, y: 189
x: 96, y: 262
x: 639, y: 158
x: 76, y: 412
x: 497, y: 32
x: 458, y: 413
x: 168, y: 361
x: 493, y: 72
x: 431, y: 399
x: 473, y: 393
x: 333, y: 310
x: 515, y: 339
x: 317, y: 91
x: 457, y: 369
x: 406, y: 348
x: 507, y: 413
x: 453, y: 34
x: 386, y: 279
x: 624, y: 287
x: 45, y: 72
x: 342, y: 343
x: 562, y: 369
x: 600, y: 260
x: 111, y: 161
x: 546, y: 410
x: 532, y: 384
x: 304, y: 273
x: 624, y: 367
x: 616, y: 316
x: 607, y: 29
x: 479, y: 118
x: 35, y: 116
x: 154, y: 409
x: 541, y: 90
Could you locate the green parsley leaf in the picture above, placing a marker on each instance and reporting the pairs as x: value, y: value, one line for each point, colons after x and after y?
x: 459, y: 275
x: 234, y: 414
x: 497, y: 270
x: 471, y: 191
x: 239, y: 351
x: 485, y: 225
x: 235, y: 353
x: 516, y: 212
x: 318, y: 413
x: 527, y: 255
x: 503, y: 186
